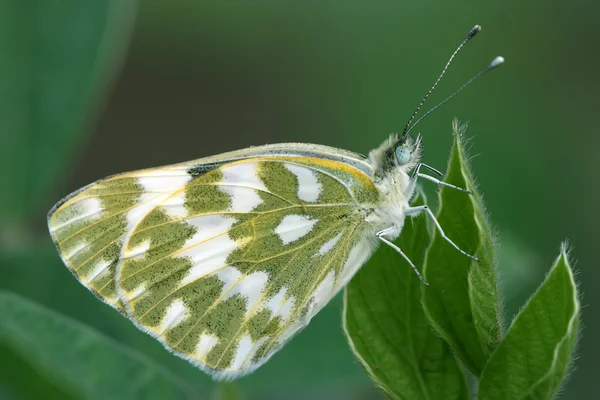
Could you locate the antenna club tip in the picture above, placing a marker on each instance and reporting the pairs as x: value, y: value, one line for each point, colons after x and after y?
x: 474, y: 31
x: 496, y: 62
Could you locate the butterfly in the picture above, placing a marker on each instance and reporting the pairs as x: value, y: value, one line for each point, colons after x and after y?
x: 225, y: 258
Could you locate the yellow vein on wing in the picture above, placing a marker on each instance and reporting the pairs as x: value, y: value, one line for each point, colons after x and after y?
x: 115, y: 214
x: 180, y: 250
x: 338, y: 180
x: 173, y: 221
x: 258, y: 189
x: 326, y: 267
x: 259, y: 304
x: 258, y: 213
x: 252, y: 269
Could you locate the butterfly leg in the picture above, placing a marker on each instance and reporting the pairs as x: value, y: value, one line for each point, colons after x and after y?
x: 418, y: 169
x: 412, y: 211
x: 417, y: 174
x: 442, y: 183
x: 380, y: 235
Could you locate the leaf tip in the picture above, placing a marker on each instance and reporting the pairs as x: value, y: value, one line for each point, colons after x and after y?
x: 565, y: 258
x: 574, y: 328
x: 459, y: 129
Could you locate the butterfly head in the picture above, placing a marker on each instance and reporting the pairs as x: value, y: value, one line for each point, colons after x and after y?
x: 408, y: 151
x: 396, y: 155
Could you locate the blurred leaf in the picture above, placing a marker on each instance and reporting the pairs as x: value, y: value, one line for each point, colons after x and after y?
x: 78, y: 358
x: 23, y: 379
x: 57, y: 59
x: 532, y: 360
x: 521, y: 269
x: 388, y: 330
x: 462, y: 299
x: 227, y: 391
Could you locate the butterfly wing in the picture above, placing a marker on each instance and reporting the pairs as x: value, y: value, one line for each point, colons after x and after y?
x: 90, y: 226
x: 223, y: 261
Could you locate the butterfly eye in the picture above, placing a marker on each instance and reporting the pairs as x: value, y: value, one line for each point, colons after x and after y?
x: 402, y: 155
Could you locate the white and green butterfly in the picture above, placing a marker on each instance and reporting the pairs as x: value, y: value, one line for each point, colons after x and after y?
x: 225, y: 258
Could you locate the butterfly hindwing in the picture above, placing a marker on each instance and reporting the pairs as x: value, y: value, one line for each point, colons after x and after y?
x: 226, y: 271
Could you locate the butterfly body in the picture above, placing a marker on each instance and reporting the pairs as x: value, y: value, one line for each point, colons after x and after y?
x: 393, y: 183
x: 225, y: 258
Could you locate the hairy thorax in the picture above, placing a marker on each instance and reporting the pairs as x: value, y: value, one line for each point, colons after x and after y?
x: 395, y: 193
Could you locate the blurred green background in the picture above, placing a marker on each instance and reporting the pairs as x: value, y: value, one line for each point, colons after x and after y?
x: 93, y: 88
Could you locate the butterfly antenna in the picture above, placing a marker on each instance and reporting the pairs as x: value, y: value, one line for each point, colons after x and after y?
x: 474, y: 31
x: 496, y: 62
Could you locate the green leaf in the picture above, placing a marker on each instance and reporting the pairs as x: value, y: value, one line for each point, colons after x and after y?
x: 387, y: 329
x: 24, y: 379
x: 227, y: 391
x: 533, y: 358
x: 462, y: 301
x: 77, y: 359
x: 57, y: 59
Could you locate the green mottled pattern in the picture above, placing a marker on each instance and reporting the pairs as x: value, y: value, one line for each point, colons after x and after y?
x: 151, y: 256
x: 361, y: 187
x: 100, y: 233
x: 296, y: 267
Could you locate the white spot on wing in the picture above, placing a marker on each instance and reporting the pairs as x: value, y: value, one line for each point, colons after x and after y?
x: 99, y: 269
x: 205, y: 345
x: 323, y: 292
x: 76, y: 250
x: 138, y: 251
x: 244, y: 182
x: 242, y: 199
x: 280, y: 305
x: 163, y: 180
x: 174, y: 205
x: 89, y: 208
x: 356, y: 258
x: 229, y: 276
x: 309, y: 187
x: 286, y: 309
x: 243, y: 174
x: 245, y: 351
x: 176, y: 313
x: 209, y: 247
x: 250, y: 286
x: 137, y: 292
x: 209, y: 226
x: 147, y: 202
x: 293, y: 227
x: 159, y: 185
x: 330, y: 244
